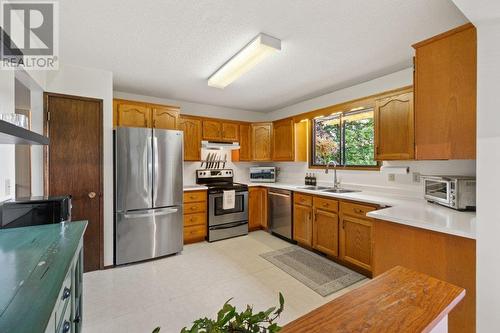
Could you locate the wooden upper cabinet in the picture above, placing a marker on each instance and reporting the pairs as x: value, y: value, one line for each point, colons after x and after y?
x: 245, y: 143
x: 302, y: 224
x: 445, y: 95
x: 230, y: 131
x: 192, y: 137
x: 212, y: 130
x: 283, y: 140
x: 220, y: 130
x: 262, y: 141
x: 394, y: 128
x: 130, y: 114
x: 165, y: 117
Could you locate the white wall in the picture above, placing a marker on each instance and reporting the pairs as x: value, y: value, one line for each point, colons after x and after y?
x: 485, y: 14
x: 7, y: 152
x: 196, y: 109
x: 388, y: 82
x: 79, y: 81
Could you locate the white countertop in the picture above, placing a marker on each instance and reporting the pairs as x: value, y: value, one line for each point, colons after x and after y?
x: 413, y: 212
x: 194, y: 188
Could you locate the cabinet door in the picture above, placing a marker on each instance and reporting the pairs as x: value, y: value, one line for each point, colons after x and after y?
x: 445, y: 96
x: 283, y: 140
x: 245, y: 143
x: 212, y: 130
x: 133, y: 115
x: 326, y: 232
x: 302, y: 224
x: 261, y: 141
x: 192, y: 138
x: 257, y: 202
x: 394, y: 128
x: 230, y: 132
x: 356, y: 241
x: 165, y: 117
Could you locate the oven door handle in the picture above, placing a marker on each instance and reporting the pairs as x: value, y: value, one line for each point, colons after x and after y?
x: 228, y: 225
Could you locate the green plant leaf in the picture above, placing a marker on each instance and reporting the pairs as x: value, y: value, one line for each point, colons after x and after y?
x: 156, y: 330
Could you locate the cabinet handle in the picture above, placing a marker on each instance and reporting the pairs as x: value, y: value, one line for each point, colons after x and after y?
x: 66, y: 293
x: 358, y: 211
x: 66, y: 327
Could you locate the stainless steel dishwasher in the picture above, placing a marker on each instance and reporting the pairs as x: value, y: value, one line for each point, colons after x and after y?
x: 280, y: 213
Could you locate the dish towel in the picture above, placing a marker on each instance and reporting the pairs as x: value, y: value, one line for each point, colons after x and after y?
x: 228, y: 199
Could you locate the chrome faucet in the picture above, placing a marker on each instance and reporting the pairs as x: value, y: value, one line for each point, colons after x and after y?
x: 336, y: 184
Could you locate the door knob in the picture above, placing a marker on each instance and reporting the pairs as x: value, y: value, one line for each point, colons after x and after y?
x: 92, y: 195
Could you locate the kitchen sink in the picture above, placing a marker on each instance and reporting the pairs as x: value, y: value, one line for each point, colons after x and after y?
x: 339, y: 190
x: 313, y: 188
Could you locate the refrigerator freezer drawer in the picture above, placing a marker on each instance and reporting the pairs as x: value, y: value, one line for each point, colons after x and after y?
x: 147, y: 234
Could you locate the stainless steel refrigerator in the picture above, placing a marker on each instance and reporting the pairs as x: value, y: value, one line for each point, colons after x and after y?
x: 148, y: 193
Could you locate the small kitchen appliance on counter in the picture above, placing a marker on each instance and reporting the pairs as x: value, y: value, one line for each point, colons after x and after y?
x: 25, y: 212
x: 457, y: 192
x: 227, y: 204
x: 263, y: 174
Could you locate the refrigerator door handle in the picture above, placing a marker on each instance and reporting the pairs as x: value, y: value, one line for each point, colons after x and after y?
x: 162, y: 212
x: 155, y: 168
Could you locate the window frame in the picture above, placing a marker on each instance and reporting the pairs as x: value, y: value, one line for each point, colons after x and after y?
x: 342, y: 113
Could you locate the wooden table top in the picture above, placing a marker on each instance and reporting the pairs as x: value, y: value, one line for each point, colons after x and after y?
x: 400, y: 300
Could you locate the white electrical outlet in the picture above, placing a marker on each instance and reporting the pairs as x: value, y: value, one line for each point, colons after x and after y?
x: 416, y: 177
x: 391, y: 177
x: 7, y: 187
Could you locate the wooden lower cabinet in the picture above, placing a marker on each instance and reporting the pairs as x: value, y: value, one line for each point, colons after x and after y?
x: 302, y: 224
x: 326, y: 232
x: 356, y: 241
x: 195, y: 216
x: 445, y: 257
x: 257, y: 212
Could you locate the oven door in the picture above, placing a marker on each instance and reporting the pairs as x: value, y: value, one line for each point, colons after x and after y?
x: 437, y: 190
x: 217, y: 215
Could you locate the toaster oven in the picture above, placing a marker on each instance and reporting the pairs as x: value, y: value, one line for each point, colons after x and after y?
x: 263, y: 174
x: 457, y: 192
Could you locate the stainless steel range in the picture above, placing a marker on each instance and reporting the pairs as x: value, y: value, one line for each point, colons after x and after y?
x: 224, y: 221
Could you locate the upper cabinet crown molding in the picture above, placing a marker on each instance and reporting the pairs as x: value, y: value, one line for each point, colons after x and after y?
x: 445, y: 95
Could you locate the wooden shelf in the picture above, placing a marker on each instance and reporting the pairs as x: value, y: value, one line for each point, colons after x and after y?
x: 12, y: 134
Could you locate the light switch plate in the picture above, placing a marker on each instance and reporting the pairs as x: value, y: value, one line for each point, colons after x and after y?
x: 7, y: 187
x: 416, y: 177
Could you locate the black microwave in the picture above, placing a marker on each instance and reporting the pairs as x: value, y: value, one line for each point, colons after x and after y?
x: 31, y: 211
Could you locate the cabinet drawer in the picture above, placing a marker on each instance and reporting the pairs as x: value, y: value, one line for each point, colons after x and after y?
x: 195, y: 196
x: 326, y: 204
x: 63, y: 300
x: 195, y: 207
x: 356, y: 210
x: 302, y: 199
x: 195, y: 233
x: 195, y: 219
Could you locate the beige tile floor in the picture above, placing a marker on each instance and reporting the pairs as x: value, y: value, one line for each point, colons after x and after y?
x: 173, y: 291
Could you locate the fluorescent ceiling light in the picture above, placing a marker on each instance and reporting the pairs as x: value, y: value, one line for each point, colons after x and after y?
x: 249, y: 56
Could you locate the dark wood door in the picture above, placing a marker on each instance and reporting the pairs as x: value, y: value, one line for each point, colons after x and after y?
x: 74, y: 164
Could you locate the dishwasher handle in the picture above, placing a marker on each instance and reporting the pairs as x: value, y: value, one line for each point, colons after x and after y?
x: 280, y: 194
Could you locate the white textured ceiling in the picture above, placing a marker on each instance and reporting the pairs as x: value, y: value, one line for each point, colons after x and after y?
x: 168, y: 49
